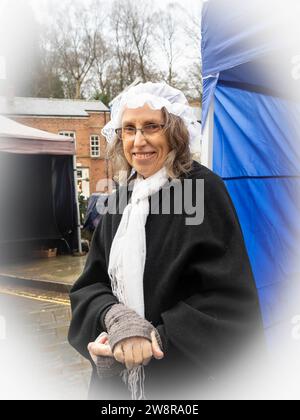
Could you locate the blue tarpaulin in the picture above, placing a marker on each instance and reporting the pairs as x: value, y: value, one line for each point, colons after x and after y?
x: 248, y: 55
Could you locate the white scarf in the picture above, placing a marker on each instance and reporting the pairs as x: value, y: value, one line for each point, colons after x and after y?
x: 127, y: 260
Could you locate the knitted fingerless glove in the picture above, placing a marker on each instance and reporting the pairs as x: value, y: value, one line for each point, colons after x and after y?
x: 108, y: 367
x: 122, y: 322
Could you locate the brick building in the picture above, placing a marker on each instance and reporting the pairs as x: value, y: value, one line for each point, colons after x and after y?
x: 81, y: 120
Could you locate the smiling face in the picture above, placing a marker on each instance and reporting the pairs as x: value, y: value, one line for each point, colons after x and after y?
x: 146, y: 155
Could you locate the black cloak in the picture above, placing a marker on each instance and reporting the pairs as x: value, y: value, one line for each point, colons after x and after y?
x: 199, y: 293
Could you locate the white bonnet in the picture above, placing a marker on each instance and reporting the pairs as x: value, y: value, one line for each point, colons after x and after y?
x: 157, y: 96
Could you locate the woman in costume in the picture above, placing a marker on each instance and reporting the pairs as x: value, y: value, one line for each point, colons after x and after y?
x: 167, y: 298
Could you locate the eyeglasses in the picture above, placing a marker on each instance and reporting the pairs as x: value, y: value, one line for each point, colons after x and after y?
x: 129, y: 132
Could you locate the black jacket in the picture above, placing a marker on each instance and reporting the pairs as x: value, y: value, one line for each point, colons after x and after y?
x: 199, y: 292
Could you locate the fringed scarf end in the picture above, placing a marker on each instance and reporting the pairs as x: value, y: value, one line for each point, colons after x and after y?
x: 134, y: 379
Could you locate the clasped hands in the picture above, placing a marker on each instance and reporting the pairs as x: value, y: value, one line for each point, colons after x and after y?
x: 132, y: 352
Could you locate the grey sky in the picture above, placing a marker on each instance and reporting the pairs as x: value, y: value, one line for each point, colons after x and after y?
x: 194, y: 6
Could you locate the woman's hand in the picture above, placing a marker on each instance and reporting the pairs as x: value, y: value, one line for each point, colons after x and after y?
x: 100, y: 348
x: 131, y: 352
x: 137, y: 351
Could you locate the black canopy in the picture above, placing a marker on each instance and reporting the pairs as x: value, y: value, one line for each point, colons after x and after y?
x: 38, y: 202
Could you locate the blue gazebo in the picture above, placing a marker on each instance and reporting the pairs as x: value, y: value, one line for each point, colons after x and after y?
x: 251, y: 133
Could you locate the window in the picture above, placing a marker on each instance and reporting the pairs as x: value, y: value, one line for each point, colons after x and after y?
x: 68, y: 134
x: 95, y: 146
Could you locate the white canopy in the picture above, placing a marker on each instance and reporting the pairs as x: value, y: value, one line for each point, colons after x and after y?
x: 21, y: 139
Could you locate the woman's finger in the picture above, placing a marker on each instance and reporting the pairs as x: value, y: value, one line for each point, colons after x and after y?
x: 137, y: 351
x: 119, y: 354
x: 147, y: 353
x: 157, y: 353
x: 98, y: 349
x: 102, y: 340
x: 128, y: 355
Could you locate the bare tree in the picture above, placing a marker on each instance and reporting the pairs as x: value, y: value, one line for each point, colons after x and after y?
x: 98, y: 49
x: 76, y: 35
x: 192, y: 28
x: 133, y: 26
x: 140, y: 25
x: 125, y: 56
x: 48, y: 82
x: 167, y: 34
x: 102, y: 68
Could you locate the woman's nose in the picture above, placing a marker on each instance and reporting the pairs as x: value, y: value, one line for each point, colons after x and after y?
x: 139, y: 139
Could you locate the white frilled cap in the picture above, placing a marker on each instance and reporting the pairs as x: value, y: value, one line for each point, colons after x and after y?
x: 157, y: 96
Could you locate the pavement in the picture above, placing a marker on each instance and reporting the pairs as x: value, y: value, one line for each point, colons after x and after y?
x: 35, y: 306
x: 57, y: 273
x: 36, y: 360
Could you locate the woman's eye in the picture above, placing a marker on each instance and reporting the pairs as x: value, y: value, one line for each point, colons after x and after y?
x: 129, y: 129
x: 151, y: 127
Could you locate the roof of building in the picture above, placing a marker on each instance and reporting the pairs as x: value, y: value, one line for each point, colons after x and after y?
x: 18, y: 138
x: 49, y: 107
